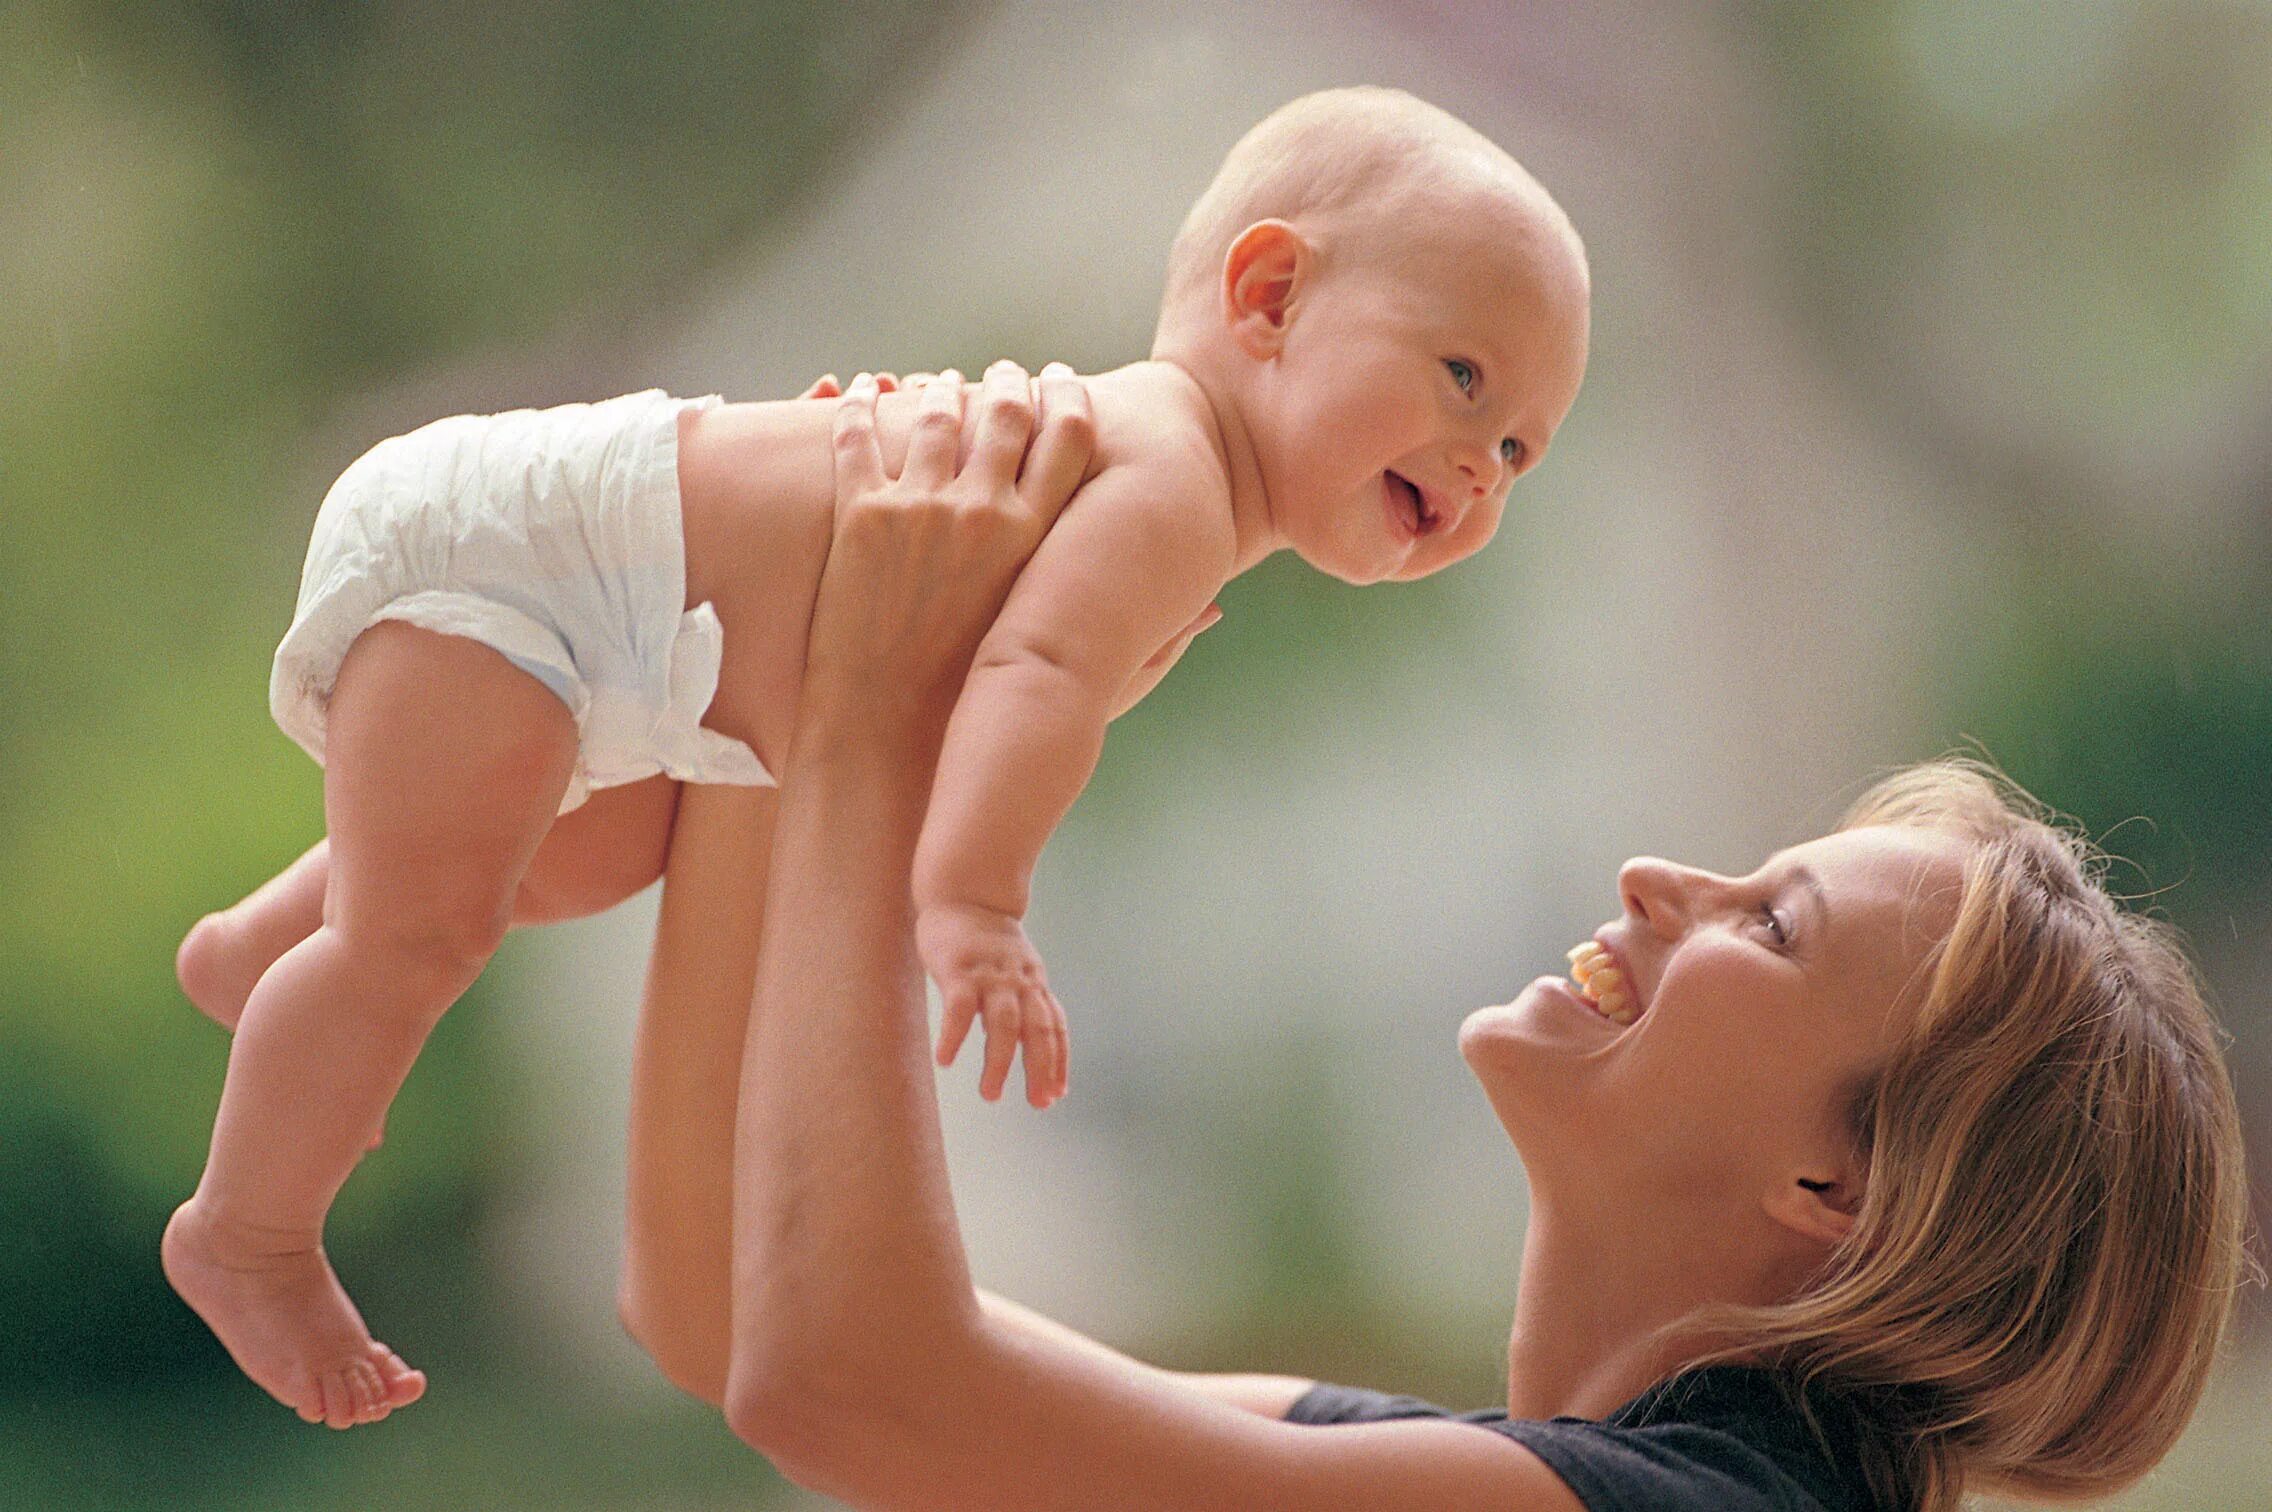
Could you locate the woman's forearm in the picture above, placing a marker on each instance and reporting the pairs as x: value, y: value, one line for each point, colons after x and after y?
x: 676, y: 1288
x: 847, y: 1261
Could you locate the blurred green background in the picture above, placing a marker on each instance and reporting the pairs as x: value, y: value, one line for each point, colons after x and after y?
x: 1931, y: 403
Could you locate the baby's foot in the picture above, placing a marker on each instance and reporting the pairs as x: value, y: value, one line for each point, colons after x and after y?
x: 217, y: 969
x: 276, y: 1306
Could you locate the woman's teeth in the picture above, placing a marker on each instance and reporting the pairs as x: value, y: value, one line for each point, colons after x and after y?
x: 1601, y: 983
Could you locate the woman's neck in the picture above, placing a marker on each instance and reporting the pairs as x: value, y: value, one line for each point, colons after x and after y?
x: 1587, y: 1308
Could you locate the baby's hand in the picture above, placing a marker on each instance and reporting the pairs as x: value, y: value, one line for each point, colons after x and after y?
x: 987, y: 968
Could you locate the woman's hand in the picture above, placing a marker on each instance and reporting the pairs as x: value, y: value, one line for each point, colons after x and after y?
x: 920, y: 564
x: 918, y: 568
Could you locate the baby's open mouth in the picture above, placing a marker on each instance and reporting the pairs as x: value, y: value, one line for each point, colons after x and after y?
x: 1411, y: 505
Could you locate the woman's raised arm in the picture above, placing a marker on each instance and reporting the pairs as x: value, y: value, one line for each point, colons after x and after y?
x: 862, y: 1360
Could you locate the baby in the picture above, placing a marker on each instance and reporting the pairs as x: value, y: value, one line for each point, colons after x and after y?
x: 1374, y: 321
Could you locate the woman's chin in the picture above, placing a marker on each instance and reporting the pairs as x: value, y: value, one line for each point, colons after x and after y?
x: 1546, y: 1018
x: 1483, y: 1034
x: 1525, y: 1052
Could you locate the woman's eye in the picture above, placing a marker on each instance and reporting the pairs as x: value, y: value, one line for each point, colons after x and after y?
x: 1776, y: 928
x: 1510, y: 451
x: 1463, y: 374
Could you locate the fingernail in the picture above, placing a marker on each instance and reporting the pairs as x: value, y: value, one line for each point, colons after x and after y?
x: 1050, y: 368
x: 953, y: 375
x: 1000, y: 362
x: 860, y: 380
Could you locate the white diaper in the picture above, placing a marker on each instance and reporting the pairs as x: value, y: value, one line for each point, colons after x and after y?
x: 553, y: 536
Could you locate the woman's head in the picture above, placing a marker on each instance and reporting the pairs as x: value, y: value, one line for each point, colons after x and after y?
x: 2038, y: 1155
x: 1758, y: 1006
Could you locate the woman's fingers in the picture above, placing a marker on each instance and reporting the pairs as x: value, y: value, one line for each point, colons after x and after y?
x: 1168, y: 655
x: 859, y: 459
x: 936, y: 436
x: 1005, y: 424
x: 1060, y: 454
x: 824, y: 387
x: 1157, y: 666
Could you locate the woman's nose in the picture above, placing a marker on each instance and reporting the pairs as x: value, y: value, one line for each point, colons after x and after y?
x: 1658, y: 893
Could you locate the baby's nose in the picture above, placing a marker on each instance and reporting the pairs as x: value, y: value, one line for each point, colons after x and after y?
x: 1478, y: 468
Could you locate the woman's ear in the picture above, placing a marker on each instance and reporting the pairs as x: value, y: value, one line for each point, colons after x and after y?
x: 1264, y: 275
x: 1822, y: 1210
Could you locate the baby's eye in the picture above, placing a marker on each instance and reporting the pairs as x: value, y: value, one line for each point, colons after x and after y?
x: 1510, y: 451
x: 1463, y: 374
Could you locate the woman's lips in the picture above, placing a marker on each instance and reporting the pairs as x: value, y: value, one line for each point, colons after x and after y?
x: 1560, y: 988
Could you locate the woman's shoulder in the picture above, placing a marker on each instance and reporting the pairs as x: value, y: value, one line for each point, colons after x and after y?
x: 1726, y: 1437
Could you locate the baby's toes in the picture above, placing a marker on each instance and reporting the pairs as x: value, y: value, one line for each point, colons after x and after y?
x: 338, y: 1400
x: 399, y: 1384
x: 370, y: 1392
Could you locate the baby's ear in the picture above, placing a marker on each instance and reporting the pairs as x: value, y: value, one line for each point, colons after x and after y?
x: 1263, y: 275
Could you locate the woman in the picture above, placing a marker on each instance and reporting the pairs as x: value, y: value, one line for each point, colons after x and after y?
x: 1916, y: 1171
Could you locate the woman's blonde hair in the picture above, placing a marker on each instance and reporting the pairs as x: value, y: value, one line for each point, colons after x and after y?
x: 2055, y: 1224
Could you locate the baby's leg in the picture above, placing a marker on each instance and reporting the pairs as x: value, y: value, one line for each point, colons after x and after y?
x: 225, y: 953
x: 444, y: 767
x: 592, y: 859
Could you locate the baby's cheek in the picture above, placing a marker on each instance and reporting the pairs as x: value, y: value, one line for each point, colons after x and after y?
x: 1482, y: 523
x: 1471, y: 536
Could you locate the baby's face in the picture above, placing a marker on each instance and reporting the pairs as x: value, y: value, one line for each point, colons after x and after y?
x: 1411, y: 391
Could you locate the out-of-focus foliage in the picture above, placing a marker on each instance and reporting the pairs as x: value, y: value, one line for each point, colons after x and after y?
x: 2040, y: 239
x: 2034, y: 241
x: 217, y: 217
x: 2039, y: 233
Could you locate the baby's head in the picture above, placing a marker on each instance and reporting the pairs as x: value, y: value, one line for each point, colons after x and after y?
x: 1396, y: 314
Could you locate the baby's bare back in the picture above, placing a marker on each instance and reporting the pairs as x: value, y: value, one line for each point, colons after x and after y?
x: 757, y: 484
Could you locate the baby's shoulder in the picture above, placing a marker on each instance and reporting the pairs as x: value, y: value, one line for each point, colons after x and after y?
x: 1154, y: 425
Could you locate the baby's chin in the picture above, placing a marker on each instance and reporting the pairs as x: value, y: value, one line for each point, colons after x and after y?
x: 1355, y: 577
x: 1358, y: 564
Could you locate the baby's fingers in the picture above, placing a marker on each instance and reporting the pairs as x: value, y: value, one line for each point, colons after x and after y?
x: 1043, y: 1035
x: 1002, y: 1025
x: 1064, y: 1048
x: 959, y: 1011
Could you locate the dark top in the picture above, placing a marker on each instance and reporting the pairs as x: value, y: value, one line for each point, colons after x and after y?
x: 1723, y: 1438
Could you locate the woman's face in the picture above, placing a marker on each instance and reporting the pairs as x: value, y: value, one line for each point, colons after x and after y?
x: 1762, y: 1001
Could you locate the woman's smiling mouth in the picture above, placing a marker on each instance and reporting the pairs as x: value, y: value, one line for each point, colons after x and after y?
x: 1601, y: 982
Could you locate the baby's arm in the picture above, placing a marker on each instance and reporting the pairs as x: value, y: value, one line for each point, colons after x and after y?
x: 1134, y: 562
